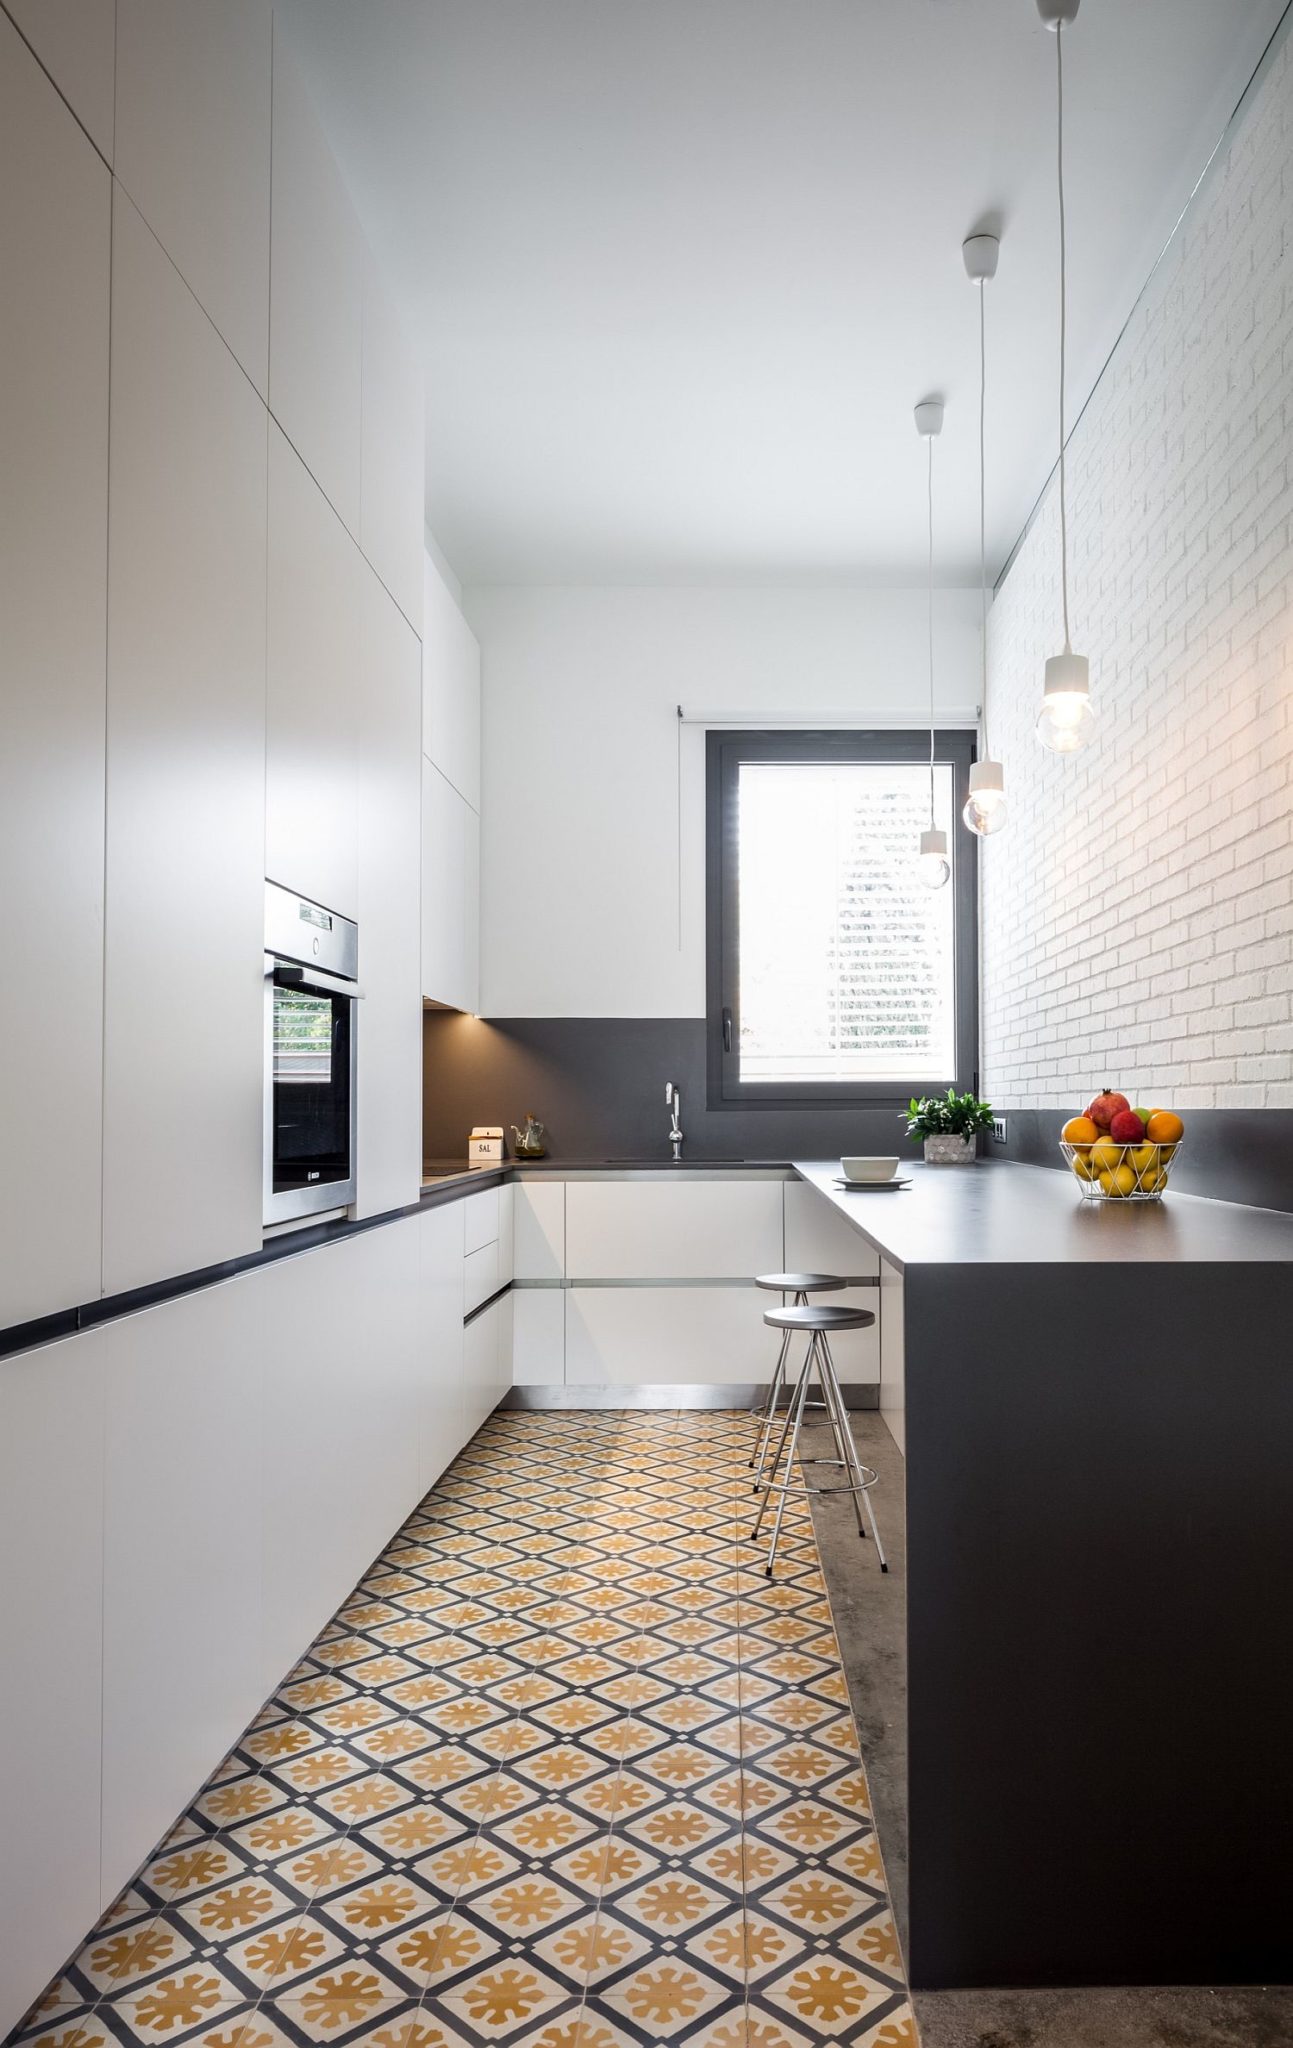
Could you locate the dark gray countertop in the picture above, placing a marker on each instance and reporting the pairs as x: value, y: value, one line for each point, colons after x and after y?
x: 999, y: 1214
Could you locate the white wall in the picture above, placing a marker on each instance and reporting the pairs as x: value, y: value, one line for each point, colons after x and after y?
x: 580, y: 827
x: 1139, y: 908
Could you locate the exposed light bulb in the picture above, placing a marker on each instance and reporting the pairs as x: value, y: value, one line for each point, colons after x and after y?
x: 984, y: 811
x: 1066, y: 721
x: 933, y: 868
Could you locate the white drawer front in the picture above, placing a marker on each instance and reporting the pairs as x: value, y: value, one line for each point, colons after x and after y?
x: 820, y: 1240
x: 539, y: 1212
x: 480, y: 1277
x: 703, y: 1230
x: 480, y: 1219
x: 539, y: 1336
x: 666, y: 1336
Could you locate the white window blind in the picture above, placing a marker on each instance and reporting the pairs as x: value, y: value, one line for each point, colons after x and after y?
x: 846, y: 962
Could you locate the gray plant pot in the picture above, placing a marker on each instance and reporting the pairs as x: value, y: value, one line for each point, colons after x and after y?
x: 949, y: 1151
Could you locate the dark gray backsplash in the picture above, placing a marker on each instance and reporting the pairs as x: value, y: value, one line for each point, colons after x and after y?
x: 598, y: 1084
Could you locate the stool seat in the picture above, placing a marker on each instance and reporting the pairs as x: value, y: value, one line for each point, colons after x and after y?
x: 827, y: 1317
x: 799, y: 1283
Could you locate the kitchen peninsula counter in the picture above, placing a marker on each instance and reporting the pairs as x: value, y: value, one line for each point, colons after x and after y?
x: 1098, y: 1409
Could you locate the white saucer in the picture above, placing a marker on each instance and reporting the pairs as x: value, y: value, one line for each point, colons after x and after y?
x: 854, y: 1186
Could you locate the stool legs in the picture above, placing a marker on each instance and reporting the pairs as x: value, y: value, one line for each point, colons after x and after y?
x: 793, y: 1424
x: 858, y: 1478
x: 770, y: 1408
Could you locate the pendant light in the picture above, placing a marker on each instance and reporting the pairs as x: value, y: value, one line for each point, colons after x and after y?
x: 933, y: 866
x: 1066, y: 721
x: 985, y: 806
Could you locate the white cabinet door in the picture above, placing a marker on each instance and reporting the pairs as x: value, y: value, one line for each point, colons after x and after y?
x: 672, y: 1229
x: 316, y: 295
x: 540, y: 1229
x: 51, y: 1618
x: 893, y: 1381
x: 311, y: 769
x: 483, y: 1384
x: 392, y: 501
x: 55, y: 236
x: 74, y: 40
x: 450, y: 894
x: 538, y: 1336
x: 480, y: 1219
x: 442, y: 1428
x: 183, y: 983
x: 820, y: 1240
x: 450, y: 687
x: 192, y: 150
x: 667, y: 1336
x: 390, y: 920
x: 182, y: 1558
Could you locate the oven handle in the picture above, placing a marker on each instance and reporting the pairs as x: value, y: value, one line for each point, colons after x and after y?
x: 288, y: 974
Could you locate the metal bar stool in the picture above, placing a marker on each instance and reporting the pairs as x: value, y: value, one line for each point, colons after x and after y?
x: 800, y: 1285
x: 858, y: 1478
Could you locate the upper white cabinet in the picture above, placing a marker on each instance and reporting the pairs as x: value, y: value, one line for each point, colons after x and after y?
x: 450, y: 895
x: 316, y: 296
x: 74, y: 41
x: 390, y: 806
x: 672, y: 1229
x: 391, y: 511
x: 183, y: 986
x: 315, y: 681
x: 55, y: 221
x: 193, y: 150
x: 450, y: 688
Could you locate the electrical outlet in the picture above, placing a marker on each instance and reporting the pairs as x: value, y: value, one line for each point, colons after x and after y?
x: 999, y: 1129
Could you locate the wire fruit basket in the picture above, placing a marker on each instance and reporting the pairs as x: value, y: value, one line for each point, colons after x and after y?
x: 1107, y: 1172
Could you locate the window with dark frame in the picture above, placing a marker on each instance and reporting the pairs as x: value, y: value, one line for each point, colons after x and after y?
x: 834, y: 975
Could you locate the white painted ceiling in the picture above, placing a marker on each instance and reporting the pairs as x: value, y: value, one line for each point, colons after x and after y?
x: 679, y: 269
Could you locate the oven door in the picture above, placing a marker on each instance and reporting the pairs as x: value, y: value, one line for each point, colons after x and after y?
x: 310, y: 1031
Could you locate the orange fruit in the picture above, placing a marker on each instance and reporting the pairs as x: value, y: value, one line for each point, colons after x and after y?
x: 1079, y: 1130
x: 1165, y: 1127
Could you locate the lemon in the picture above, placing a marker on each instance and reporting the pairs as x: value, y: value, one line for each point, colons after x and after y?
x: 1105, y: 1155
x: 1082, y: 1166
x: 1118, y: 1181
x: 1143, y: 1157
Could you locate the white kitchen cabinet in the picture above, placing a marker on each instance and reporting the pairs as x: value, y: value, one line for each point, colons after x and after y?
x: 507, y: 1232
x: 315, y: 599
x: 183, y: 981
x: 480, y: 1215
x: 540, y: 1229
x: 667, y: 1336
x: 442, y: 1425
x: 182, y: 1558
x: 487, y: 1362
x: 389, y: 826
x: 480, y: 1277
x: 450, y: 687
x: 820, y: 1240
x: 893, y: 1382
x: 74, y: 40
x: 538, y: 1336
x: 193, y: 151
x: 316, y: 295
x: 392, y: 495
x: 55, y: 236
x: 450, y: 895
x: 672, y: 1229
x: 51, y: 1606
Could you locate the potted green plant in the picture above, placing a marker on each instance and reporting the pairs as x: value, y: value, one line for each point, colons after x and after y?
x: 949, y: 1125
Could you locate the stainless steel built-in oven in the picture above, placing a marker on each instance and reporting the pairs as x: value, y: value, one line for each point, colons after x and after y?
x: 311, y: 1015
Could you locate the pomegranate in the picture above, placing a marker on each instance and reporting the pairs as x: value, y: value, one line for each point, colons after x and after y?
x: 1106, y: 1106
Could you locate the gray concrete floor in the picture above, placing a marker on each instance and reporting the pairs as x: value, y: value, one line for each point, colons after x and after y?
x: 870, y: 1619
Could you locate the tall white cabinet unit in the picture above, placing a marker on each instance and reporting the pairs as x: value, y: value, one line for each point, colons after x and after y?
x: 183, y: 1016
x: 450, y: 801
x: 74, y: 41
x: 55, y: 202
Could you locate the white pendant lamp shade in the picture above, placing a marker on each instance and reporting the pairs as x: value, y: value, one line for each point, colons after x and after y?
x: 933, y: 867
x: 984, y: 810
x: 1066, y: 721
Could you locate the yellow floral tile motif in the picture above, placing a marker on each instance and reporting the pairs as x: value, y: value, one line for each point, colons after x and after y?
x: 565, y: 1771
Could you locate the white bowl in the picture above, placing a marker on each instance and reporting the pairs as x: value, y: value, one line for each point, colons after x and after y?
x: 868, y: 1169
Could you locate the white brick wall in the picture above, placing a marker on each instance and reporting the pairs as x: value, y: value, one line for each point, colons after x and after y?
x: 1138, y: 910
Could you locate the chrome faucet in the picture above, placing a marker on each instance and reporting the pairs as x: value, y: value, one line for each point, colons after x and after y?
x: 674, y: 1101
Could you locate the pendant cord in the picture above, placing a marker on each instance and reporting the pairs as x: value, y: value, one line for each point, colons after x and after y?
x: 1064, y: 525
x: 983, y: 521
x: 930, y: 447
